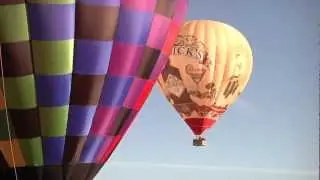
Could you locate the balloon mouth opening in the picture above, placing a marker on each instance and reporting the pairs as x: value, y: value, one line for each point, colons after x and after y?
x: 199, y: 141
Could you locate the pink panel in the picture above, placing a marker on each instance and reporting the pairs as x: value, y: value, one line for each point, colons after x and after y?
x: 182, y: 8
x: 134, y: 92
x: 142, y: 5
x: 125, y: 59
x: 158, y: 32
x: 103, y: 118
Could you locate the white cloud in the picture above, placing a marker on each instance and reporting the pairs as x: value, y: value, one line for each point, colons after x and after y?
x: 214, y: 168
x: 245, y: 105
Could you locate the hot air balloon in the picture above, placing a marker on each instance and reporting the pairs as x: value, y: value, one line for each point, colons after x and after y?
x: 210, y: 65
x: 74, y: 75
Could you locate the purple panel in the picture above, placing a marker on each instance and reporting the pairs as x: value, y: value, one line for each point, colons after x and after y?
x: 51, y: 21
x: 80, y: 120
x: 134, y: 26
x: 92, y: 57
x: 53, y: 150
x: 53, y: 90
x: 103, y: 148
x: 91, y: 149
x: 125, y: 64
x: 100, y: 2
x: 115, y: 90
x: 103, y: 117
x: 134, y: 93
x: 161, y: 62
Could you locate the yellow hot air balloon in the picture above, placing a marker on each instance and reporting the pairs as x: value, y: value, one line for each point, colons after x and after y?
x: 210, y: 65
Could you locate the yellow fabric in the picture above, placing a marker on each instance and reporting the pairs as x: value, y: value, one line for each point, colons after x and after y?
x: 207, y: 53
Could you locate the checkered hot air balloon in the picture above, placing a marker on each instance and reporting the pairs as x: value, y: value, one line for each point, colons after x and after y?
x: 74, y: 75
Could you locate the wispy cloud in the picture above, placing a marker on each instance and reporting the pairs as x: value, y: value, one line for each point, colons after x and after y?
x: 244, y: 104
x: 213, y: 168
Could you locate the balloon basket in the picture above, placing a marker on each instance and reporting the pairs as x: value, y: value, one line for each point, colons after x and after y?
x: 199, y: 142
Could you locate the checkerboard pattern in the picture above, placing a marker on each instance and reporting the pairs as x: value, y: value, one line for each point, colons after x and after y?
x: 76, y: 73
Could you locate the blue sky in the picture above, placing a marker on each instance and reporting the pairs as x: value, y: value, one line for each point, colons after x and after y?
x: 270, y: 133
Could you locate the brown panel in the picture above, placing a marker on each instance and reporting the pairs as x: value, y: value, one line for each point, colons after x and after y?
x: 79, y: 171
x: 96, y: 22
x: 4, y: 135
x: 73, y: 148
x: 16, y: 59
x: 148, y: 62
x: 94, y: 169
x: 166, y: 7
x: 86, y: 89
x: 30, y: 172
x: 3, y: 163
x: 5, y: 2
x: 2, y: 101
x: 25, y: 123
x: 52, y: 172
x: 7, y: 174
x: 120, y: 120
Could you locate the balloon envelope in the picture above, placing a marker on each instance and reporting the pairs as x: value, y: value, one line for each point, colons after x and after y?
x: 75, y: 74
x: 210, y: 65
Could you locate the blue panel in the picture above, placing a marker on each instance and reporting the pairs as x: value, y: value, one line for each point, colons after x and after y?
x: 53, y: 90
x: 115, y: 90
x: 134, y: 26
x: 92, y: 57
x: 80, y: 120
x: 91, y: 149
x: 53, y: 150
